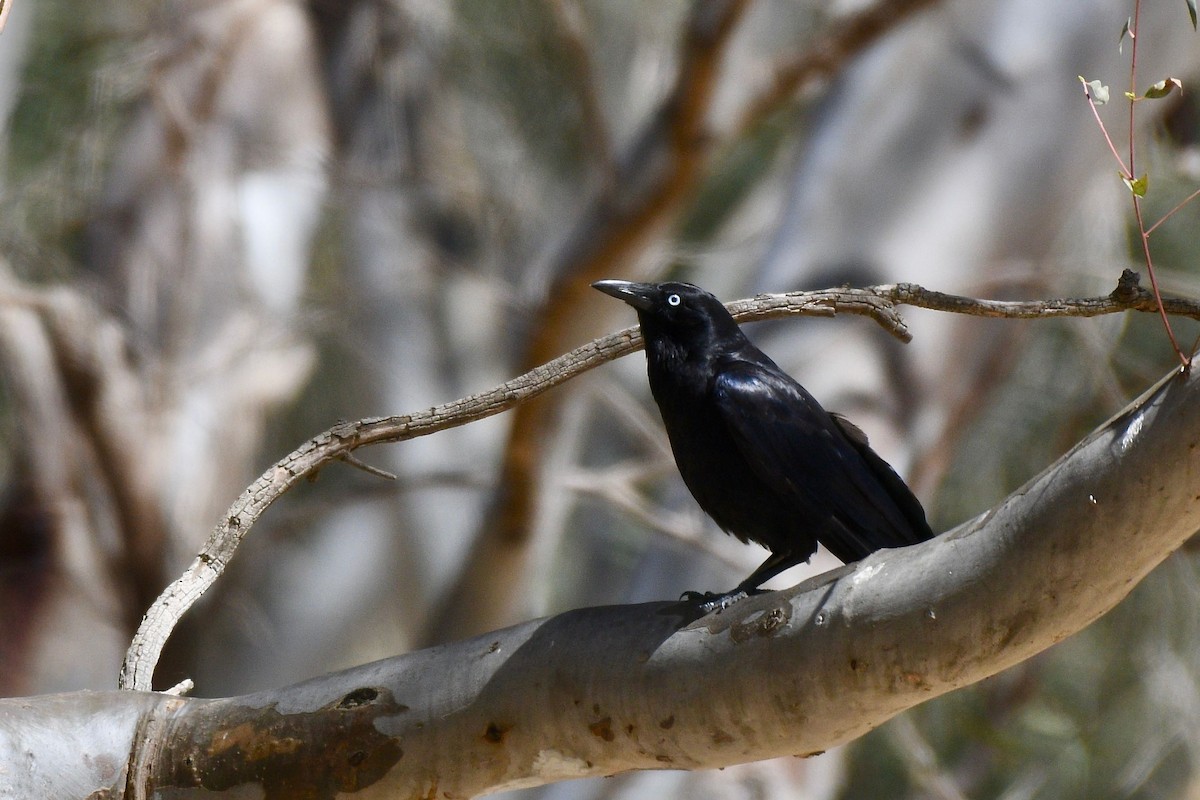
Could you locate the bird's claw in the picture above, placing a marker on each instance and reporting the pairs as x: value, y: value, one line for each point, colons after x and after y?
x: 708, y: 602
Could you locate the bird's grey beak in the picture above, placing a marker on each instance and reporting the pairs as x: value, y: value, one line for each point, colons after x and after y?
x: 639, y: 295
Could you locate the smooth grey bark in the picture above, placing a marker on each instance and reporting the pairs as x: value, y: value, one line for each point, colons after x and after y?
x: 604, y: 690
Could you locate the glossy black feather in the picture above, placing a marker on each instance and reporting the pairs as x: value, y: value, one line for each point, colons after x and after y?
x: 757, y: 451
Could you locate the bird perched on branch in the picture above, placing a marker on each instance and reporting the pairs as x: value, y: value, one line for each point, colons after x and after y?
x: 756, y: 450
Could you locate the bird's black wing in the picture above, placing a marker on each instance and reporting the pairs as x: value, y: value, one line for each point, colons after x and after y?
x: 895, y: 486
x: 825, y: 468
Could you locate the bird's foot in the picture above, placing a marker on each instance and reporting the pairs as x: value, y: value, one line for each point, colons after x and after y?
x: 708, y: 602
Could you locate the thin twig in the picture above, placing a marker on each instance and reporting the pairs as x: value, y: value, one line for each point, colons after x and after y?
x: 617, y: 487
x: 367, y: 468
x: 1125, y: 172
x: 1172, y: 212
x: 336, y: 443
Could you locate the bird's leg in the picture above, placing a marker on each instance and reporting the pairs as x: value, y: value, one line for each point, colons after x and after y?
x: 772, y: 566
x: 775, y: 564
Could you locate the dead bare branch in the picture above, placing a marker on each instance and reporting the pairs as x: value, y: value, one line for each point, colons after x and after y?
x: 1128, y: 296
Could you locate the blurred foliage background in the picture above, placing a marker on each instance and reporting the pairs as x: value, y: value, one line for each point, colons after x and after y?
x: 227, y: 224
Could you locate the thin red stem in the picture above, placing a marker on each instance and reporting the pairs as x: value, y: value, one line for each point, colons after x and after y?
x: 1171, y: 213
x: 1103, y: 130
x: 1134, y: 27
x: 1162, y: 312
x: 1144, y: 234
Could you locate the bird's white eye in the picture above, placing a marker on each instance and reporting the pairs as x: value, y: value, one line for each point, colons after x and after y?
x: 672, y: 299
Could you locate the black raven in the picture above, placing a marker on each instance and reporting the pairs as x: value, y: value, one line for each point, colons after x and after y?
x: 757, y: 451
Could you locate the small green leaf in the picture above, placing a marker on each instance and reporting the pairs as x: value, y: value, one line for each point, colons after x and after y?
x: 1191, y: 6
x: 1163, y: 88
x: 1139, y: 186
x: 1096, y: 91
x: 1126, y: 30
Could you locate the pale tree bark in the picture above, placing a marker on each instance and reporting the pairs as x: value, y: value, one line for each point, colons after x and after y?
x: 606, y: 690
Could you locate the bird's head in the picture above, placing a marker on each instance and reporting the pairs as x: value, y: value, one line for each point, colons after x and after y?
x: 679, y: 312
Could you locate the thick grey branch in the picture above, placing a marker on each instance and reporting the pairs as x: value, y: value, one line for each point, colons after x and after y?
x: 605, y: 690
x: 879, y: 303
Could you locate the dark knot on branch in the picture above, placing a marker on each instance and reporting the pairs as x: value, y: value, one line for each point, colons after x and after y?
x: 1129, y: 288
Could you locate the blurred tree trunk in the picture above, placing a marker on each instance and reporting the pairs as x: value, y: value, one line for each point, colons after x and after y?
x: 201, y: 240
